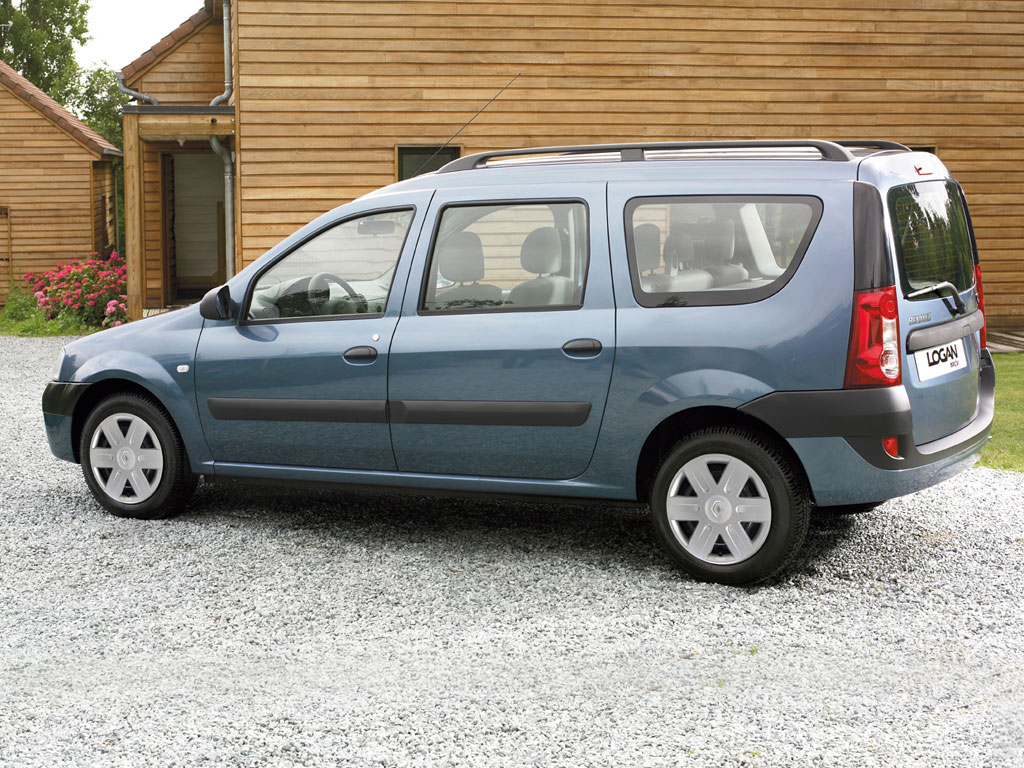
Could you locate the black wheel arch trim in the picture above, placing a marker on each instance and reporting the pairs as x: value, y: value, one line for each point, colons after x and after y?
x: 61, y: 397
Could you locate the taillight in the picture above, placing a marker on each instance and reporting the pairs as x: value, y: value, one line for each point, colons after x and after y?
x: 874, y: 356
x: 981, y: 300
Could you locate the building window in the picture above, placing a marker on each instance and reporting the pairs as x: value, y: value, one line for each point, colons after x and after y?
x: 412, y: 161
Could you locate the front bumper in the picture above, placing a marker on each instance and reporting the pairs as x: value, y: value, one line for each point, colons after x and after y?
x: 59, y: 401
x: 837, y: 435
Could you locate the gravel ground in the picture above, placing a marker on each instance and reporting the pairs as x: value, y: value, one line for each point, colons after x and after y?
x: 294, y: 628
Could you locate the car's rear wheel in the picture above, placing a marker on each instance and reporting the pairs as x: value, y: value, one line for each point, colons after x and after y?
x: 729, y: 507
x: 133, y: 459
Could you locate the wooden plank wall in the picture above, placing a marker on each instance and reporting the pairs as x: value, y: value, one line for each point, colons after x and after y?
x: 45, y: 181
x: 104, y: 217
x: 327, y: 88
x: 191, y: 73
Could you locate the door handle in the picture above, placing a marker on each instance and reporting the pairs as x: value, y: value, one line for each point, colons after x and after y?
x: 361, y: 355
x: 582, y: 348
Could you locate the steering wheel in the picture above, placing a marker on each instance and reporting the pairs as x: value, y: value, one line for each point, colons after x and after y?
x: 319, y: 291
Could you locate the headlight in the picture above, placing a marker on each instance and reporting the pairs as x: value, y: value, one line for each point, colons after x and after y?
x: 60, y: 364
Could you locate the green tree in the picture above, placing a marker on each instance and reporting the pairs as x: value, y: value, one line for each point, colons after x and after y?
x: 39, y: 42
x: 98, y: 101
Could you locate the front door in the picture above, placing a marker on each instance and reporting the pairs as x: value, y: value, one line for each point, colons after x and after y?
x: 501, y: 363
x: 301, y: 379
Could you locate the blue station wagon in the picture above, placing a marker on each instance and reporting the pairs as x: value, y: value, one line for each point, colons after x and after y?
x: 730, y: 332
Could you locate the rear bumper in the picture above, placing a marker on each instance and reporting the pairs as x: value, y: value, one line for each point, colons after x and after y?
x: 838, y: 436
x: 59, y: 401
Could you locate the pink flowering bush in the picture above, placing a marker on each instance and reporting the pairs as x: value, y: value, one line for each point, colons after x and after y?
x: 91, y: 290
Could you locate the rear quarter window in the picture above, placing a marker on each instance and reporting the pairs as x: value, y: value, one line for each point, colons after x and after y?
x: 932, y: 238
x: 708, y: 250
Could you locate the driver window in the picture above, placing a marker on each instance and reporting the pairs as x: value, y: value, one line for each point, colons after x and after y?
x: 346, y: 270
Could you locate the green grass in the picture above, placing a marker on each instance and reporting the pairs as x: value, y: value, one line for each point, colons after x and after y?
x: 21, y: 316
x: 1006, y: 448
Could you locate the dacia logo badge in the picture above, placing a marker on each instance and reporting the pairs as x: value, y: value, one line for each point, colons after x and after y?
x: 915, y: 319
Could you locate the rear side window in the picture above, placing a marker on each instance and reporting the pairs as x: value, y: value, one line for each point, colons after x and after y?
x: 507, y: 257
x: 716, y: 250
x: 933, y: 241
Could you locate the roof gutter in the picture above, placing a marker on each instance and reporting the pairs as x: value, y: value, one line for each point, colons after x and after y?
x: 134, y: 94
x: 226, y: 154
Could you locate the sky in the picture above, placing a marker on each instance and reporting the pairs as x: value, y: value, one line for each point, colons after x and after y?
x: 122, y: 30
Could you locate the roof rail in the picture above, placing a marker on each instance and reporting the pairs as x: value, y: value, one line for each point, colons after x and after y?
x: 830, y: 150
x: 874, y: 144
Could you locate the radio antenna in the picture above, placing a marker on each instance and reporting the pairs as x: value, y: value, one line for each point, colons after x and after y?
x: 466, y: 125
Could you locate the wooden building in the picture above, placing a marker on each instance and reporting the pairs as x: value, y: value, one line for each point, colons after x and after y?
x: 57, y: 197
x: 333, y: 98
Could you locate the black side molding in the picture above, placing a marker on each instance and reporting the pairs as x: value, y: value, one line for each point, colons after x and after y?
x: 463, y: 412
x: 489, y: 413
x: 61, y: 397
x: 954, y: 329
x: 284, y: 409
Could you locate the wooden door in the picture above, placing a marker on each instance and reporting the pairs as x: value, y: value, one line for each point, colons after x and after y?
x: 170, y: 250
x: 6, y: 274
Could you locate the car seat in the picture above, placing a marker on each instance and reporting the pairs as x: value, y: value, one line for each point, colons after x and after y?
x: 541, y: 254
x: 461, y: 260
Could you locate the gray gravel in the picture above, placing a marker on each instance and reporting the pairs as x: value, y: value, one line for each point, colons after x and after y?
x: 297, y: 628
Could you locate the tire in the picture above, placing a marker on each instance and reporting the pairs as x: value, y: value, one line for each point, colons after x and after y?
x: 725, y: 471
x: 133, y: 459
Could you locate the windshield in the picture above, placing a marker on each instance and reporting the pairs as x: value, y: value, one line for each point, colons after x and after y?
x: 933, y: 242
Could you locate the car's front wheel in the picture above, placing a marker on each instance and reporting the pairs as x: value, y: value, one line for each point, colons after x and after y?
x: 133, y: 459
x: 729, y: 507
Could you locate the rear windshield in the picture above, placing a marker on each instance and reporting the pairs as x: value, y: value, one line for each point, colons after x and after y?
x: 933, y: 242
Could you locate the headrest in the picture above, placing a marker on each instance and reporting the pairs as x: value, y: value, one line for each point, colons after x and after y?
x: 679, y: 251
x: 462, y: 258
x: 647, y: 241
x: 720, y: 242
x: 542, y: 251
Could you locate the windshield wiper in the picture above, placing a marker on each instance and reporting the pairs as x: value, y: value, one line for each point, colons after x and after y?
x: 945, y: 285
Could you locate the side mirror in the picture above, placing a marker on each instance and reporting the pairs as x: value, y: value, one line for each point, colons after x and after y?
x: 217, y: 304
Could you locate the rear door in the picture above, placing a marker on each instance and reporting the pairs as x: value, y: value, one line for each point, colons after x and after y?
x: 501, y: 362
x: 939, y: 314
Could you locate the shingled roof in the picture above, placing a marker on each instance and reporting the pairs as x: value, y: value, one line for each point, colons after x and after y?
x: 194, y: 22
x: 53, y: 111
